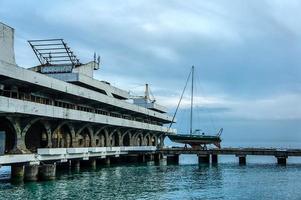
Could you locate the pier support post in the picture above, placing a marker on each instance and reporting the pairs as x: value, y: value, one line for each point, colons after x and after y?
x: 150, y: 159
x: 76, y: 164
x: 107, y: 160
x: 204, y: 159
x: 163, y: 161
x: 47, y: 172
x: 31, y: 172
x: 93, y: 163
x: 173, y: 159
x: 214, y: 158
x: 142, y: 158
x: 17, y: 172
x: 281, y: 160
x: 242, y: 159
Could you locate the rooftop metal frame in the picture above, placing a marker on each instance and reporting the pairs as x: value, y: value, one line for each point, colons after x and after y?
x: 53, y: 52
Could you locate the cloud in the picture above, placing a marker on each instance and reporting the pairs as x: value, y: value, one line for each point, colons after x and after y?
x: 246, y: 53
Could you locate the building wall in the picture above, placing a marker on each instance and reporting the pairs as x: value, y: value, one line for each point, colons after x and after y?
x: 7, y: 53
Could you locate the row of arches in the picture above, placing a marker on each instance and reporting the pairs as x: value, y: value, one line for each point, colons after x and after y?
x: 39, y: 133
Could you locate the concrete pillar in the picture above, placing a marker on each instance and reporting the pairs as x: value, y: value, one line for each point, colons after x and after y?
x: 47, y: 172
x: 142, y: 158
x: 150, y: 159
x: 107, y: 160
x: 173, y: 159
x: 204, y: 159
x: 76, y: 164
x: 163, y: 160
x: 281, y: 160
x: 17, y: 172
x: 31, y: 172
x: 214, y: 158
x: 242, y: 159
x: 93, y: 163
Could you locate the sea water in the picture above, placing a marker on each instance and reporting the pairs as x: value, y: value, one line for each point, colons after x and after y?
x: 261, y: 178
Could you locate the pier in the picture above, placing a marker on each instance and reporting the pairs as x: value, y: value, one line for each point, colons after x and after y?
x: 241, y: 153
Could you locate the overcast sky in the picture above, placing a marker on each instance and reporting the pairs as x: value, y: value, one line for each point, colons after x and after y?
x: 246, y: 53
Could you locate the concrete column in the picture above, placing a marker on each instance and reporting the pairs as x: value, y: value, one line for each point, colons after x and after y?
x: 76, y: 164
x: 17, y: 172
x: 142, y: 158
x: 31, y: 172
x: 204, y: 159
x: 150, y: 159
x: 108, y: 160
x: 163, y: 160
x: 93, y: 163
x: 47, y: 172
x: 214, y: 158
x: 242, y: 159
x: 281, y: 160
x: 173, y: 159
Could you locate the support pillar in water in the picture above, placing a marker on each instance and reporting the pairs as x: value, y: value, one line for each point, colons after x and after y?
x: 150, y: 159
x: 93, y: 163
x: 76, y: 164
x: 31, y: 172
x: 163, y: 160
x: 204, y: 159
x: 17, y: 172
x: 47, y: 172
x: 242, y: 159
x: 281, y: 160
x: 142, y: 158
x: 108, y: 160
x: 173, y: 159
x: 214, y: 158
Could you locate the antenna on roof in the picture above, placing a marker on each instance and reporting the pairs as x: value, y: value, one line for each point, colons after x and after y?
x: 96, y: 62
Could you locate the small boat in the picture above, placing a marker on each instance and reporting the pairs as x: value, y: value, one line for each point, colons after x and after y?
x: 195, y: 139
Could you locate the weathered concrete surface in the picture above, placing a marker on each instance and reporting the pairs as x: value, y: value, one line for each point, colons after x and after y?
x: 7, y: 53
x: 30, y: 77
x: 47, y: 172
x: 9, y: 105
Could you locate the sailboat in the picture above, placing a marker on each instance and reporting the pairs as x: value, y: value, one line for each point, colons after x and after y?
x: 194, y: 138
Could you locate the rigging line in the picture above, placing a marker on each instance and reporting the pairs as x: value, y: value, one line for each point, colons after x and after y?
x: 191, y: 106
x: 173, y: 118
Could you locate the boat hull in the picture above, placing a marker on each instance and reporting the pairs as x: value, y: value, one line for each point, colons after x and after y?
x: 196, y: 140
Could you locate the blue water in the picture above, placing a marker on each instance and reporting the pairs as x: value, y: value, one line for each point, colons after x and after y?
x: 261, y: 178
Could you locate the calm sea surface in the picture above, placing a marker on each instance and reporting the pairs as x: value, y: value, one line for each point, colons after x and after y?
x: 259, y: 179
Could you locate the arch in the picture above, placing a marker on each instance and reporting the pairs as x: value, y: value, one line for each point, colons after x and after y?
x: 101, y: 137
x: 147, y: 139
x: 36, y: 134
x: 154, y: 140
x: 160, y: 141
x: 126, y: 138
x: 11, y: 133
x: 63, y: 136
x: 84, y: 137
x: 138, y: 139
x: 115, y: 137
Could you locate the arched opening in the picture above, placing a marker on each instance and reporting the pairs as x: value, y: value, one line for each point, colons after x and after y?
x: 116, y: 140
x: 8, y: 135
x: 84, y: 138
x: 127, y: 140
x: 147, y: 140
x: 62, y: 137
x: 100, y: 139
x: 36, y: 137
x: 139, y: 140
x: 154, y: 141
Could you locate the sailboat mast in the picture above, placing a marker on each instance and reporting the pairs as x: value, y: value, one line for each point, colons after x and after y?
x: 191, y: 105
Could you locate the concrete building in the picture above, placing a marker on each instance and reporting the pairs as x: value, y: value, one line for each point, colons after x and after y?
x: 59, y: 104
